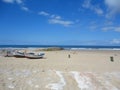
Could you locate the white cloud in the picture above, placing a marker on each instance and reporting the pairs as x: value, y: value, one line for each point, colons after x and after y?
x: 56, y: 19
x: 8, y: 1
x: 87, y: 4
x: 113, y: 7
x: 19, y: 1
x: 43, y: 13
x: 115, y: 41
x: 98, y: 10
x: 107, y: 28
x: 49, y: 15
x: 117, y: 29
x: 55, y: 16
x: 25, y: 8
x: 108, y: 23
x: 13, y: 1
x: 113, y: 28
x: 59, y: 21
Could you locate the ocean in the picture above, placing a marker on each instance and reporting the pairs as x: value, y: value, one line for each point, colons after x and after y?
x: 72, y: 47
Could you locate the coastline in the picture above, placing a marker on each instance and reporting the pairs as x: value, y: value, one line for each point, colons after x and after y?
x: 66, y: 47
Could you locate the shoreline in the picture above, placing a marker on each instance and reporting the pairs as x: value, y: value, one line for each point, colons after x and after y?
x: 65, y: 47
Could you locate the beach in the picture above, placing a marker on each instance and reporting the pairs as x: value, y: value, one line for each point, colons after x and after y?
x: 62, y: 70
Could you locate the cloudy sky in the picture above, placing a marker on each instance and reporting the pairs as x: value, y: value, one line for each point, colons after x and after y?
x: 60, y: 22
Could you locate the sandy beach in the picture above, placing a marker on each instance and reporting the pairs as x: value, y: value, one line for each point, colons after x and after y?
x: 83, y: 70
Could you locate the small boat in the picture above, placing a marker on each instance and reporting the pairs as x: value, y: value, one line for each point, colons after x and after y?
x: 34, y: 56
x: 19, y: 54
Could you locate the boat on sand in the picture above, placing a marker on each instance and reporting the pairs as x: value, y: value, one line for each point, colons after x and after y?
x: 34, y: 56
x: 19, y: 54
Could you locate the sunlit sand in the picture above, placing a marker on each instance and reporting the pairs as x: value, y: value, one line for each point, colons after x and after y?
x: 84, y: 70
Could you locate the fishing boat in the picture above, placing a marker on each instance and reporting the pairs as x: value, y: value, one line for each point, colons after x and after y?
x: 19, y: 54
x: 34, y: 56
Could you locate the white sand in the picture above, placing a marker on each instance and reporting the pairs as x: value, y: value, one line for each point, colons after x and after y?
x: 85, y: 70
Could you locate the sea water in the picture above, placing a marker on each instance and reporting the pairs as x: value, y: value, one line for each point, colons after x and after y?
x: 67, y: 47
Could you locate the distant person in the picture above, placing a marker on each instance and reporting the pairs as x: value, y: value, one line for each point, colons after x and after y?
x: 111, y: 59
x: 69, y: 56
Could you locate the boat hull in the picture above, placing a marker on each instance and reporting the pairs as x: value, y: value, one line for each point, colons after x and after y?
x: 33, y: 57
x: 19, y: 56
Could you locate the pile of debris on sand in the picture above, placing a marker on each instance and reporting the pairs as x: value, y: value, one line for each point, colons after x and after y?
x: 50, y: 49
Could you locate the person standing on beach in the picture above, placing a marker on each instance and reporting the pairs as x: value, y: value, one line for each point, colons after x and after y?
x: 68, y: 55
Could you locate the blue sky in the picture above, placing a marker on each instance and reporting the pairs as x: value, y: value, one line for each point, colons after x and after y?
x: 60, y: 22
